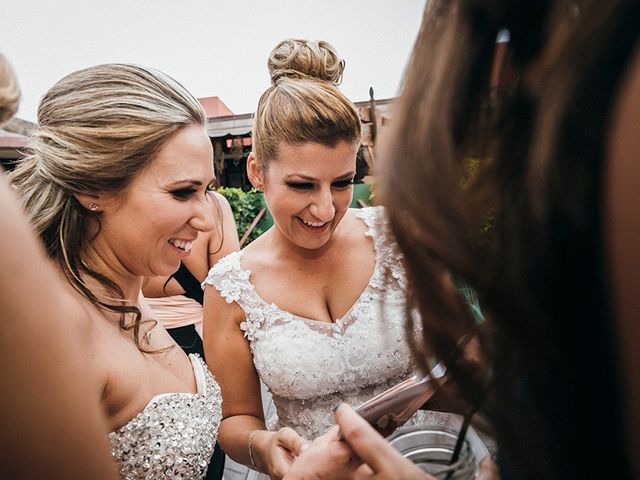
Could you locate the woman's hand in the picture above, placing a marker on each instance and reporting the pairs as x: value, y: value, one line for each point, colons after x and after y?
x: 325, y: 458
x: 278, y: 450
x: 384, y: 461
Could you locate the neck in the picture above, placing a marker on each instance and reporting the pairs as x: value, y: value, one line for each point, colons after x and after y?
x: 129, y: 284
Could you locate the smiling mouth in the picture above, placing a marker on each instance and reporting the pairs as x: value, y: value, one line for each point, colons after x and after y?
x: 183, y: 245
x: 308, y: 224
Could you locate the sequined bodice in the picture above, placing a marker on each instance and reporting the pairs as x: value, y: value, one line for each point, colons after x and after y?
x: 310, y: 365
x: 174, y: 436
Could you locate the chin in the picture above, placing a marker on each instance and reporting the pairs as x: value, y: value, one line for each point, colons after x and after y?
x: 167, y: 270
x: 313, y: 245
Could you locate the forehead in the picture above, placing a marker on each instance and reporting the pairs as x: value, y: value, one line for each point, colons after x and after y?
x: 310, y: 156
x: 186, y: 154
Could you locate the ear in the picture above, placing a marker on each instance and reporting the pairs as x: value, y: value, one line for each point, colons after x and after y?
x: 255, y: 172
x: 89, y: 201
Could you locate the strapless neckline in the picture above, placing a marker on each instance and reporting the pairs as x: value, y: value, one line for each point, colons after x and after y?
x: 175, y: 433
x: 199, y: 375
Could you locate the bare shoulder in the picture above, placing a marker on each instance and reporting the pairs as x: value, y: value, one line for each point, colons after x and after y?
x: 218, y: 310
x: 80, y: 316
x: 355, y: 227
x: 622, y: 188
x: 89, y: 331
x: 231, y: 242
x: 222, y: 201
x: 622, y: 236
x: 259, y: 252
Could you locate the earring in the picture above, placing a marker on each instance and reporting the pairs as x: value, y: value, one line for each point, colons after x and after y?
x: 93, y: 206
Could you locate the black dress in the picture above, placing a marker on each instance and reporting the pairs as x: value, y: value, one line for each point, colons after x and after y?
x: 190, y: 342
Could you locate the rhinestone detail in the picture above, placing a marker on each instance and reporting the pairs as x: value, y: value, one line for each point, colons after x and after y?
x: 173, y: 436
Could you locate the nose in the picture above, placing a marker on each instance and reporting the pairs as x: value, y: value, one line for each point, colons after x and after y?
x: 203, y: 218
x: 322, y: 206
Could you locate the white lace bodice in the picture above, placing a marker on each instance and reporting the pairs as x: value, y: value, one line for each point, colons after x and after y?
x: 174, y: 435
x: 310, y: 365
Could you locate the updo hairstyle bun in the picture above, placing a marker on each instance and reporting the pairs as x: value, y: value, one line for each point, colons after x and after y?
x: 303, y: 58
x: 303, y: 103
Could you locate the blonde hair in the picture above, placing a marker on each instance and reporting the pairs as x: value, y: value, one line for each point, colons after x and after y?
x: 97, y: 129
x: 303, y: 103
x: 9, y: 90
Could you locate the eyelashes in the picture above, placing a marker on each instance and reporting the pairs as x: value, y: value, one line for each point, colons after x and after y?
x: 343, y: 183
x: 300, y: 186
x: 186, y: 193
x: 305, y: 186
x: 183, y: 193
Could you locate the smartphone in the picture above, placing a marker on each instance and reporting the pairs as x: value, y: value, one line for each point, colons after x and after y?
x: 393, y: 407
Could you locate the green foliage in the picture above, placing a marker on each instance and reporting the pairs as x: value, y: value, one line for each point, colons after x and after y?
x: 245, y: 207
x: 372, y: 196
x: 361, y: 191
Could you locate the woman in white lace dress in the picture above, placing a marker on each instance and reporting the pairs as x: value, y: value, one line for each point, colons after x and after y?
x: 115, y: 184
x: 314, y: 307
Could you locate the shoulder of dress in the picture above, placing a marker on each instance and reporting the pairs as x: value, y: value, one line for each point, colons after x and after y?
x: 227, y: 267
x: 212, y: 389
x: 372, y: 216
x: 375, y: 219
x: 388, y: 255
x: 232, y: 281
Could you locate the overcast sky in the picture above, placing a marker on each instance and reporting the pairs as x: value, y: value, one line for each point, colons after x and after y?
x: 214, y: 47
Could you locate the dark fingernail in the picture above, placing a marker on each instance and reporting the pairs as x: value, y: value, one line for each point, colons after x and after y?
x: 335, y: 406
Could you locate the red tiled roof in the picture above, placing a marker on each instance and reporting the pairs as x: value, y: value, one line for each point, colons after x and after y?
x: 13, y: 141
x: 214, y: 107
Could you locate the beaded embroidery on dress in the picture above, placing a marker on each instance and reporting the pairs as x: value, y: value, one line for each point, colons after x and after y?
x: 174, y: 435
x: 310, y: 365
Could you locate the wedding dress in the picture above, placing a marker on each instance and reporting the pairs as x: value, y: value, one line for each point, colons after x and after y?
x: 308, y: 365
x: 174, y: 435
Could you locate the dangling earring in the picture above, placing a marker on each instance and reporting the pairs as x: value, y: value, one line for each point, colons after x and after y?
x: 93, y: 206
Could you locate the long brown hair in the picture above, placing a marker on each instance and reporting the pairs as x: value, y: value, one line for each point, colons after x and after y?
x: 538, y: 271
x: 97, y: 129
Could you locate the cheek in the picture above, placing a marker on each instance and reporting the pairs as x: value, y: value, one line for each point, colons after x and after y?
x: 170, y: 215
x: 342, y: 199
x: 283, y: 202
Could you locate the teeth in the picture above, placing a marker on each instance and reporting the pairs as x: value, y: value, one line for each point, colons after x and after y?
x: 181, y: 244
x: 313, y: 224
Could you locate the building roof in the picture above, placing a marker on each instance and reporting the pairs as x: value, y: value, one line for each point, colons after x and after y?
x: 238, y: 125
x: 214, y: 107
x: 14, y: 141
x: 13, y: 137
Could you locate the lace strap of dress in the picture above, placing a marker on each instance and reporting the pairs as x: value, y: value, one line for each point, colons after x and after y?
x: 232, y: 282
x: 374, y: 219
x: 227, y: 277
x: 388, y: 255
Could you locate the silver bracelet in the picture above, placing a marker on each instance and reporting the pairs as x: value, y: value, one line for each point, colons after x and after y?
x: 252, y: 435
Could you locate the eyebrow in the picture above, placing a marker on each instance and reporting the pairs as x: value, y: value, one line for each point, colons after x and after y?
x: 311, y: 179
x: 191, y: 182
